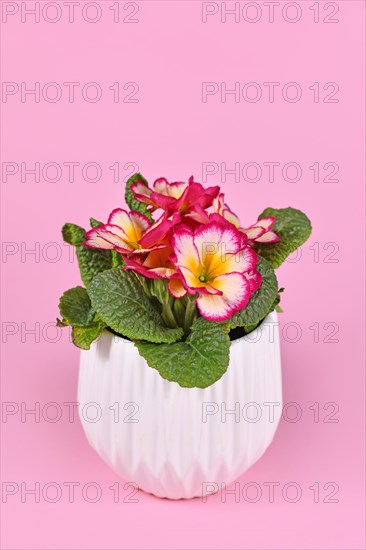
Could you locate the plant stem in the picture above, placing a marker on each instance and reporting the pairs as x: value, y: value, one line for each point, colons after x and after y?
x: 168, y: 316
x: 179, y: 311
x: 190, y: 315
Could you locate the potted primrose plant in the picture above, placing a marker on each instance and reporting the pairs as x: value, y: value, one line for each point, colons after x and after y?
x: 180, y: 389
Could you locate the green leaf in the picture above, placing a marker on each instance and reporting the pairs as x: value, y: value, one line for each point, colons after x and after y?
x: 276, y: 305
x: 73, y: 234
x: 94, y: 223
x: 117, y: 259
x: 263, y: 300
x: 119, y: 299
x: 82, y: 337
x: 293, y: 228
x: 196, y: 363
x: 133, y: 203
x: 92, y: 261
x: 250, y: 328
x: 61, y: 323
x: 76, y: 308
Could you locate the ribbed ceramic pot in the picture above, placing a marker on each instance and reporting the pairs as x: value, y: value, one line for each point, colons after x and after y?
x: 178, y: 442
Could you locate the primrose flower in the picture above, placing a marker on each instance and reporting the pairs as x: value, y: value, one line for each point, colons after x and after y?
x: 188, y: 198
x: 130, y: 232
x: 161, y: 195
x: 260, y: 232
x: 213, y: 260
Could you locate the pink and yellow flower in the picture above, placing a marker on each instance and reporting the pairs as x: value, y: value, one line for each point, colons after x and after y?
x: 190, y: 198
x: 259, y: 232
x: 162, y: 195
x: 207, y: 255
x: 213, y: 261
x: 130, y: 232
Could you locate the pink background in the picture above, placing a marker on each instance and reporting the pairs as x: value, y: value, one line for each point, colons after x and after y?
x: 169, y: 52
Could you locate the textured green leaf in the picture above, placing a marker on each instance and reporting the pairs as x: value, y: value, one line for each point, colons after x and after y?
x: 119, y: 299
x: 82, y: 337
x: 263, y: 300
x: 76, y: 308
x: 73, y: 234
x: 130, y: 198
x: 196, y: 363
x: 293, y: 228
x: 92, y: 261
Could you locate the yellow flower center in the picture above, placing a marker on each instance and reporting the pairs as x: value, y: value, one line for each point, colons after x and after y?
x: 135, y: 246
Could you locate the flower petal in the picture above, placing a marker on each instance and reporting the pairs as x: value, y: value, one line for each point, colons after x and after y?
x: 218, y: 203
x: 266, y: 223
x: 197, y: 194
x: 158, y: 230
x: 142, y: 192
x: 235, y: 295
x: 185, y: 251
x: 176, y: 288
x: 253, y: 232
x: 218, y: 234
x: 177, y: 189
x: 214, y: 242
x: 107, y: 237
x: 268, y: 237
x: 174, y: 189
x: 95, y: 240
x: 254, y: 278
x: 230, y: 216
x: 159, y: 258
x: 133, y: 223
x: 165, y: 202
x: 154, y: 273
x: 197, y: 214
x: 161, y: 185
x: 241, y: 262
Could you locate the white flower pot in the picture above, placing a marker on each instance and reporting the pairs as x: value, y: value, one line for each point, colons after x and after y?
x: 178, y: 442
